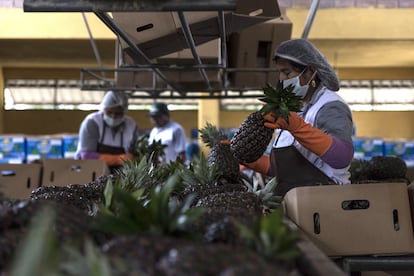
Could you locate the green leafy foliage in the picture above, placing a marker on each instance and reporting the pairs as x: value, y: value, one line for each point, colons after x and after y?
x: 88, y: 262
x: 38, y: 251
x: 141, y: 147
x: 266, y: 194
x: 200, y: 172
x: 133, y: 175
x: 280, y: 101
x: 271, y: 238
x: 40, y: 254
x: 211, y: 135
x: 160, y: 214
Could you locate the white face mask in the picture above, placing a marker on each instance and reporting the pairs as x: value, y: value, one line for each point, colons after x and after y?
x: 298, y: 90
x: 112, y: 122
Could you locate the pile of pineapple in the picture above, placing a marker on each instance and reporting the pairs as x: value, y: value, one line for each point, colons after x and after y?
x: 378, y: 169
x: 148, y: 218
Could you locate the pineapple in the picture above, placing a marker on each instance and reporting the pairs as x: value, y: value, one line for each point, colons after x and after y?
x: 202, y: 180
x: 252, y: 138
x: 386, y: 167
x: 221, y: 155
x: 378, y: 169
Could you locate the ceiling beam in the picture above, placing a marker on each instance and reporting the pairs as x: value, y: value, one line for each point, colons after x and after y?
x: 127, y: 5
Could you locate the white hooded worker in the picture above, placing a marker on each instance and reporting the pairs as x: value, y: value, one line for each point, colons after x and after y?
x: 108, y: 133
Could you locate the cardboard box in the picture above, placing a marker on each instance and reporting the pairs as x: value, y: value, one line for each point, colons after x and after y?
x: 70, y: 145
x: 367, y: 147
x: 354, y: 219
x: 12, y: 149
x: 62, y: 172
x: 17, y: 181
x: 396, y: 148
x: 160, y: 33
x: 43, y: 147
x: 254, y: 48
x: 178, y: 69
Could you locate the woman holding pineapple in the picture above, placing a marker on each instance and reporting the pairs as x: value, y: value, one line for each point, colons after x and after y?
x: 313, y: 146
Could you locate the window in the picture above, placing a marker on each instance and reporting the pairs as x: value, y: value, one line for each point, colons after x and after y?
x: 368, y: 95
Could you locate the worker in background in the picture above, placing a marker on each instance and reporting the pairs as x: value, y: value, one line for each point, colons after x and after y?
x: 315, y: 147
x: 193, y: 146
x: 170, y: 133
x: 108, y: 133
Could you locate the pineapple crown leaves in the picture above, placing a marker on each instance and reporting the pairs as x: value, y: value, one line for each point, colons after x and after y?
x: 211, y: 135
x: 200, y: 172
x: 89, y: 261
x: 280, y: 100
x: 271, y: 238
x: 135, y: 175
x: 141, y: 146
x: 266, y: 194
x: 160, y: 214
x: 172, y: 215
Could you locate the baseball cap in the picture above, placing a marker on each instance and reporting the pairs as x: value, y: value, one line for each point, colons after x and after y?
x: 159, y: 109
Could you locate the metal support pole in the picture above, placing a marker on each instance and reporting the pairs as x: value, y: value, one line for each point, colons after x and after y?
x: 311, y: 16
x: 115, y: 29
x: 190, y: 41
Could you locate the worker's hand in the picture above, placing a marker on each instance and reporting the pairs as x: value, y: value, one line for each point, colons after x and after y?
x: 116, y: 159
x: 261, y: 165
x: 225, y: 142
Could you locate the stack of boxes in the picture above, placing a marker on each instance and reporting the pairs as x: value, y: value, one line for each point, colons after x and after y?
x: 20, y: 149
x: 367, y: 147
x: 12, y: 149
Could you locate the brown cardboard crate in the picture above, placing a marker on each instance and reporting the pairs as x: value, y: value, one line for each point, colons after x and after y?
x: 160, y: 33
x: 62, y: 172
x: 254, y: 48
x: 356, y: 219
x: 17, y: 181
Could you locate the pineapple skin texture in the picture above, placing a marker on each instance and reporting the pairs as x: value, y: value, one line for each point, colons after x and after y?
x: 252, y: 138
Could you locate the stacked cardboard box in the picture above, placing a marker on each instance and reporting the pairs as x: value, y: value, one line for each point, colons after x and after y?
x: 354, y: 219
x: 13, y: 149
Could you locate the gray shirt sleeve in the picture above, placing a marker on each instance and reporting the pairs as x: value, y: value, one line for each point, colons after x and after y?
x: 88, y: 135
x: 335, y: 119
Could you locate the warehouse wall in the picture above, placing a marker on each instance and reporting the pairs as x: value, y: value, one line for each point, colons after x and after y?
x: 331, y: 27
x: 385, y: 124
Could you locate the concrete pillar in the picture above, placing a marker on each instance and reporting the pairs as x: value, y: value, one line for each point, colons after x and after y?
x: 208, y: 111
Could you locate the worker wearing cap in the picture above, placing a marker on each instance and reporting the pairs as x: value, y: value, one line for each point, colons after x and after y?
x: 315, y: 146
x: 108, y: 133
x: 170, y: 133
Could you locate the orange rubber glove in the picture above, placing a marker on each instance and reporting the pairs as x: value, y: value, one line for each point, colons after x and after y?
x: 308, y: 136
x: 115, y: 159
x: 261, y: 165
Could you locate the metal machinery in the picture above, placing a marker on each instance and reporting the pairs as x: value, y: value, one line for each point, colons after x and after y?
x: 183, y: 48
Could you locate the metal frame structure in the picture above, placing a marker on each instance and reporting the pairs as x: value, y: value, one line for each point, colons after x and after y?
x: 162, y: 84
x: 207, y: 88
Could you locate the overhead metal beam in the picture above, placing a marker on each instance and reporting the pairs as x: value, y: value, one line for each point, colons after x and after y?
x: 111, y: 25
x: 190, y: 41
x: 127, y: 5
x: 223, y: 49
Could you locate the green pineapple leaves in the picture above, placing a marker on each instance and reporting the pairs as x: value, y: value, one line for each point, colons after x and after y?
x: 160, y: 214
x: 280, y: 101
x: 271, y: 238
x: 211, y: 135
